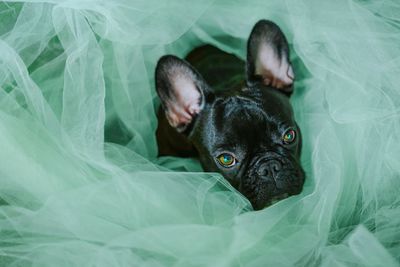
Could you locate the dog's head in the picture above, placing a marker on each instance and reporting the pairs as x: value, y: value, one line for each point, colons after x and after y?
x: 248, y: 134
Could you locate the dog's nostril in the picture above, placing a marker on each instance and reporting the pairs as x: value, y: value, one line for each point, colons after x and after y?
x: 269, y: 168
x: 263, y: 170
x: 275, y: 166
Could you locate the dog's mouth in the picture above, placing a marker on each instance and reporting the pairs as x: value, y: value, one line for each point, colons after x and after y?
x: 260, y: 201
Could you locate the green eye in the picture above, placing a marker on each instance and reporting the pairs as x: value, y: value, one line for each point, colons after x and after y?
x: 226, y: 160
x: 289, y: 136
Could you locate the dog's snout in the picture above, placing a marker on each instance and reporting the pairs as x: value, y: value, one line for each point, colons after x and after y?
x: 269, y: 169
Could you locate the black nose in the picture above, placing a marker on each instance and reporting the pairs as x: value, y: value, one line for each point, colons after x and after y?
x: 269, y: 169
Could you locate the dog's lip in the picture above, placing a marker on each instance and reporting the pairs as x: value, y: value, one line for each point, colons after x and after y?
x: 269, y: 202
x: 252, y: 195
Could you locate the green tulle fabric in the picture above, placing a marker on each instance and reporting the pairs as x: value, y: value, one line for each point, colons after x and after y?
x: 80, y: 181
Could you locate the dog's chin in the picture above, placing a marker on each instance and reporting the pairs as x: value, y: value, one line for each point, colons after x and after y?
x: 262, y: 202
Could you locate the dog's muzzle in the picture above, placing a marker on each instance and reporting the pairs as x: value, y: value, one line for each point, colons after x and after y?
x: 270, y: 178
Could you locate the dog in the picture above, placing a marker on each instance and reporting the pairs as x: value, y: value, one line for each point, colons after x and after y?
x: 245, y: 131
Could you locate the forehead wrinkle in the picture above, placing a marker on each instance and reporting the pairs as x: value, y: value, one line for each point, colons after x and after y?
x: 241, y: 104
x: 249, y: 109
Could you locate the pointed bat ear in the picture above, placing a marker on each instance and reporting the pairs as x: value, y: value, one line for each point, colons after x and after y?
x: 268, y: 57
x: 181, y: 89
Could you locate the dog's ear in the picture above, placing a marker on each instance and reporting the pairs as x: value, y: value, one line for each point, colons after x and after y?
x: 268, y: 57
x: 181, y: 89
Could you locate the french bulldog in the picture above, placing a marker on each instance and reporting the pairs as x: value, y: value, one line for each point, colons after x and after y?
x: 245, y: 131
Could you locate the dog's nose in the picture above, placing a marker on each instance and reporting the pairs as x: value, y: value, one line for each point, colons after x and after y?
x: 269, y: 169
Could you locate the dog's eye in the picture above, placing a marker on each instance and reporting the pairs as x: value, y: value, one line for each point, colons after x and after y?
x: 226, y: 160
x: 289, y: 136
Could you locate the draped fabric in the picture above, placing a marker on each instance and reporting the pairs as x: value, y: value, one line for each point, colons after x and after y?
x: 80, y: 181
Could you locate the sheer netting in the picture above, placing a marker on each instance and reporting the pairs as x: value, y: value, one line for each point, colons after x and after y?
x: 80, y: 181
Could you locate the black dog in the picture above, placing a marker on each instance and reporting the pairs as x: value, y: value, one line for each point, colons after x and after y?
x: 247, y: 131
